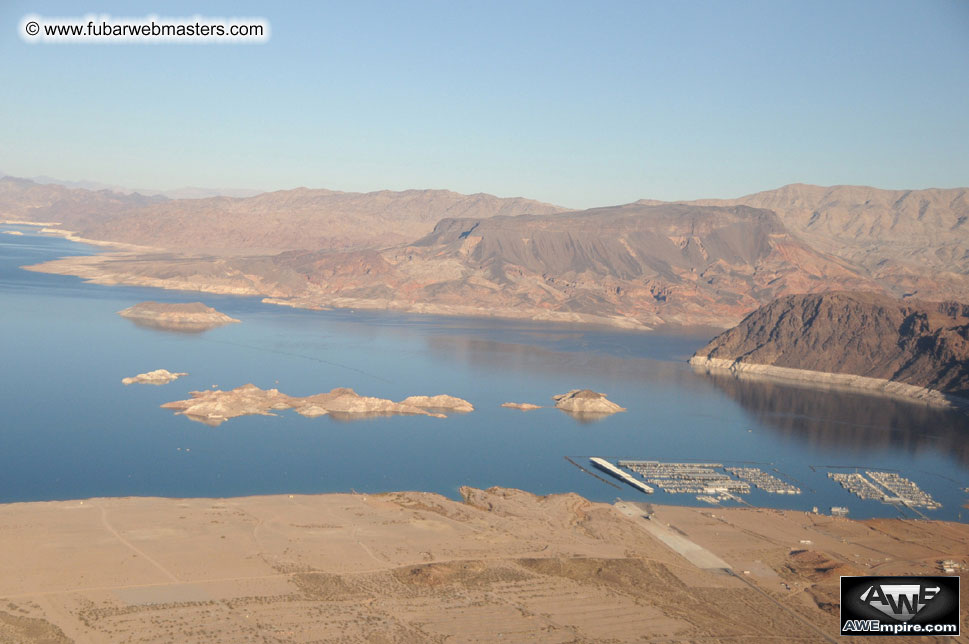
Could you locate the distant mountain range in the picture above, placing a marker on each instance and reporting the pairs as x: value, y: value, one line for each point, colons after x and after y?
x: 268, y: 222
x: 640, y: 264
x: 185, y: 192
x: 301, y: 219
x: 73, y: 207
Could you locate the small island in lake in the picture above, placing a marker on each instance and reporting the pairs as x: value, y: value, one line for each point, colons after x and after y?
x: 586, y: 401
x: 156, y: 377
x: 215, y: 407
x: 176, y: 316
x: 521, y: 406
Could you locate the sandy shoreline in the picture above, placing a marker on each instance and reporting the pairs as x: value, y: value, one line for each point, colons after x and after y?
x: 418, y: 567
x: 823, y: 379
x: 74, y: 237
x: 20, y: 222
x: 97, y: 269
x: 52, y: 228
x: 102, y: 268
x: 457, y: 310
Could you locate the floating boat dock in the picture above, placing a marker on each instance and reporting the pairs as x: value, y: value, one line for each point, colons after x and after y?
x: 612, y: 470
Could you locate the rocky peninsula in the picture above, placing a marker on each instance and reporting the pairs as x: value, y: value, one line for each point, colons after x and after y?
x: 586, y: 402
x: 214, y: 407
x: 902, y: 348
x: 156, y: 377
x: 176, y: 316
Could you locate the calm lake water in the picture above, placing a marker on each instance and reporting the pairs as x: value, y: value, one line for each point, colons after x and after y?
x: 70, y: 429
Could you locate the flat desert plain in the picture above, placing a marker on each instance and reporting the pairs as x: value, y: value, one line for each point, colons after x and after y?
x: 503, y: 565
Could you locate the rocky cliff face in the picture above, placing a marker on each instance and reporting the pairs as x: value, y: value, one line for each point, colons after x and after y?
x: 920, y: 344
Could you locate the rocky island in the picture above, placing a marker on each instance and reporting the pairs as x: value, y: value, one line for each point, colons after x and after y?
x: 904, y: 348
x: 586, y: 402
x: 215, y: 407
x: 156, y: 377
x: 176, y: 316
x: 441, y: 401
x: 521, y: 406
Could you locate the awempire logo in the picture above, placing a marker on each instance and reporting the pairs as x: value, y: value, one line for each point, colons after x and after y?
x: 899, y: 606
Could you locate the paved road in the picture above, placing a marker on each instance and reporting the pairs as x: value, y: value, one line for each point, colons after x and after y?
x: 703, y: 558
x: 695, y: 554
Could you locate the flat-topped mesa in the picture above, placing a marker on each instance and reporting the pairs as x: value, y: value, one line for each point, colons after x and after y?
x: 214, y: 407
x: 903, y: 348
x: 176, y: 316
x: 586, y: 401
x: 156, y: 377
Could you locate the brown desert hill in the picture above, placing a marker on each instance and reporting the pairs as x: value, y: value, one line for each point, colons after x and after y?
x: 623, y: 241
x: 921, y: 344
x: 74, y: 208
x: 634, y: 265
x: 301, y: 219
x: 914, y: 242
x: 270, y: 222
x: 653, y: 264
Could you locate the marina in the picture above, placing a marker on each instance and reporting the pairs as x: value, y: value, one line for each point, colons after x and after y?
x: 700, y: 479
x: 687, y: 478
x: 905, y: 490
x: 886, y: 487
x: 714, y: 483
x: 858, y: 485
x: 612, y: 470
x: 592, y: 474
x: 763, y: 480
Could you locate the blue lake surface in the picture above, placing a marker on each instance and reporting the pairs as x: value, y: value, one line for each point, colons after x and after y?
x: 70, y: 429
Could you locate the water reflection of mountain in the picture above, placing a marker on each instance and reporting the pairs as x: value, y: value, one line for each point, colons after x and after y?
x: 838, y: 419
x: 577, y: 355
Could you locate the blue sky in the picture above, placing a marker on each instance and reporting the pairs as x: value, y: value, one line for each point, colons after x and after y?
x: 576, y: 103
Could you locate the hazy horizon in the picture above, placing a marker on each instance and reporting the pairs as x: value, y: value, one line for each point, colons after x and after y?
x: 566, y: 103
x: 236, y: 191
